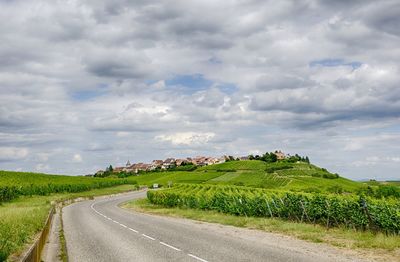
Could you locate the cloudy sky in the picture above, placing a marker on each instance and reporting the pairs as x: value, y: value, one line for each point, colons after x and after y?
x: 85, y: 84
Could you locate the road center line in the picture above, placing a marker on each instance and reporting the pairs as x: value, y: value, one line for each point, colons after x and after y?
x: 165, y: 244
x: 146, y: 236
x: 131, y: 229
x: 198, y: 258
x: 149, y: 237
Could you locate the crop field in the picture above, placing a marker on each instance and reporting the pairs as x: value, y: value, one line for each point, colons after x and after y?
x: 251, y: 179
x: 325, y: 209
x: 22, y: 218
x: 175, y: 176
x: 14, y: 184
x: 237, y: 165
x: 257, y: 174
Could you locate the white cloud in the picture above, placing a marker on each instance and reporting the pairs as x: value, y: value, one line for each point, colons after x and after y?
x: 187, y: 138
x: 42, y: 167
x: 77, y: 158
x: 13, y: 153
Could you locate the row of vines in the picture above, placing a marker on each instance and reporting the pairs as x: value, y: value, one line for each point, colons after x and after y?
x: 13, y: 184
x: 329, y: 210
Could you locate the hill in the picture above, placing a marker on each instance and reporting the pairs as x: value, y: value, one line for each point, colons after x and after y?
x: 259, y: 174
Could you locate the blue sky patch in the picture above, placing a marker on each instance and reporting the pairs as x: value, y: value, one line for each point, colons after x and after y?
x: 214, y: 60
x: 85, y: 95
x: 197, y: 82
x: 227, y: 88
x: 192, y: 82
x: 330, y: 62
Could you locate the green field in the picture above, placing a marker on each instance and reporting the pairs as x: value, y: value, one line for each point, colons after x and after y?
x: 25, y: 200
x: 22, y: 218
x: 14, y: 184
x: 258, y: 174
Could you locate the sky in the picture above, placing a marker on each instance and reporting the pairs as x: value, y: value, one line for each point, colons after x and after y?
x: 85, y: 84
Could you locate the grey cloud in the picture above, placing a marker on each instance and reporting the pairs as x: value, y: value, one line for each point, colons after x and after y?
x: 50, y: 56
x: 274, y: 80
x: 383, y: 16
x: 117, y: 65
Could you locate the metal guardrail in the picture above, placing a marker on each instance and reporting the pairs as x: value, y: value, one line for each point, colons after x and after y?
x: 34, y: 252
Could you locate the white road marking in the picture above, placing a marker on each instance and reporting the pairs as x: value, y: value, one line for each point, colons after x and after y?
x: 131, y: 229
x: 165, y: 244
x: 198, y: 258
x: 149, y: 237
x: 146, y: 236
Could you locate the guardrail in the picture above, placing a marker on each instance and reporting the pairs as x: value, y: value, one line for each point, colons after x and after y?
x: 34, y: 252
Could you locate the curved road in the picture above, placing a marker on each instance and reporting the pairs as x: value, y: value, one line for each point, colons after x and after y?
x: 99, y: 230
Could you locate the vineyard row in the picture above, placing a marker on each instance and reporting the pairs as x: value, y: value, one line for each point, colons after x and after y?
x: 329, y: 210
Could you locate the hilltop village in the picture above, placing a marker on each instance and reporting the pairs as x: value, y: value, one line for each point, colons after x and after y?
x: 187, y: 163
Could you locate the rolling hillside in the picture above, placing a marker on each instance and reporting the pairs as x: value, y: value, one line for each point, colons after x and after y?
x: 259, y: 174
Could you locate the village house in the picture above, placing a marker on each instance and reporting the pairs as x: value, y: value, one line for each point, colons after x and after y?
x: 221, y: 159
x: 135, y: 168
x: 280, y: 155
x: 99, y: 173
x: 168, y: 163
x: 211, y: 160
x: 118, y: 169
x: 180, y: 161
x: 156, y: 164
x: 199, y: 161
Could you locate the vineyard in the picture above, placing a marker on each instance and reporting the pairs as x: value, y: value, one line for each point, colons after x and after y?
x: 329, y: 210
x: 14, y: 184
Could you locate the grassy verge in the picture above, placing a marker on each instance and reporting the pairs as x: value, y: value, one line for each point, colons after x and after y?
x: 22, y: 218
x: 63, y: 252
x: 340, y: 237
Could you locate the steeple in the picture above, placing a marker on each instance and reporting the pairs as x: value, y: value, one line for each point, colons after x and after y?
x: 128, y: 163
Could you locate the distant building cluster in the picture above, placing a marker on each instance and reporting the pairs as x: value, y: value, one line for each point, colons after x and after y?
x: 167, y: 164
x: 177, y: 162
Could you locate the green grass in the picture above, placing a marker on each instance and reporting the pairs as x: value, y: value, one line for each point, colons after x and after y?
x: 318, y: 184
x: 255, y: 178
x: 22, y: 218
x: 175, y: 176
x: 237, y: 165
x: 379, y: 245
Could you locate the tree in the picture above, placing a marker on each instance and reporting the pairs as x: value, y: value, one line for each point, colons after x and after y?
x: 109, y: 169
x: 269, y: 157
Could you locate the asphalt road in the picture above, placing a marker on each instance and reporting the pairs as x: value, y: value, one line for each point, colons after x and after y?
x: 99, y: 230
